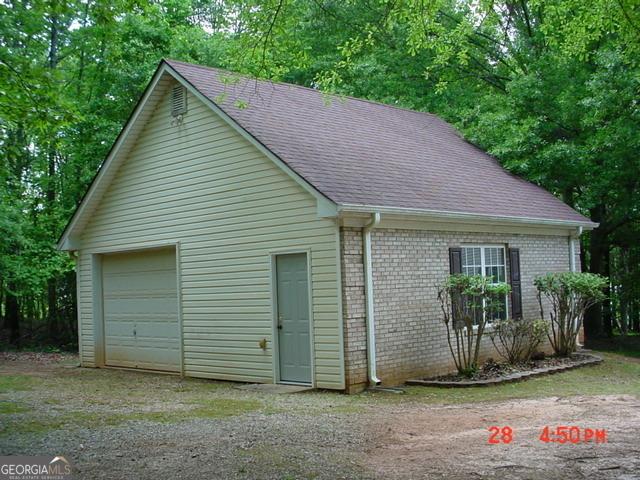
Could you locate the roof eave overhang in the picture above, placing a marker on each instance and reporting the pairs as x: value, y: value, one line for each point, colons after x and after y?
x: 423, y: 215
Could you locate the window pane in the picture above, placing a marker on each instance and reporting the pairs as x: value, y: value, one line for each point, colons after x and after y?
x: 492, y: 256
x: 471, y: 261
x: 494, y: 266
x: 492, y: 273
x: 500, y: 310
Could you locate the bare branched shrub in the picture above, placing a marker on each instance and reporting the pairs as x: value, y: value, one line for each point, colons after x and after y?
x: 570, y: 295
x: 517, y: 340
x: 468, y: 303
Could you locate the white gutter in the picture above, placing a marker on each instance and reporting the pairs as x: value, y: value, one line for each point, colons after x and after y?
x: 368, y: 289
x: 462, y: 216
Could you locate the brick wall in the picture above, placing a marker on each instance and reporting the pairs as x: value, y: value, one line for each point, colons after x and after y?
x: 353, y: 308
x: 408, y: 266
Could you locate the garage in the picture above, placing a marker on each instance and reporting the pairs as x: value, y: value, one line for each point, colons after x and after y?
x: 140, y: 310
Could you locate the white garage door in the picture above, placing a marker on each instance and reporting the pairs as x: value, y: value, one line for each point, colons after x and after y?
x: 141, y: 310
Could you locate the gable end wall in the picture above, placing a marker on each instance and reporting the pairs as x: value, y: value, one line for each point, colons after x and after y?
x: 201, y: 185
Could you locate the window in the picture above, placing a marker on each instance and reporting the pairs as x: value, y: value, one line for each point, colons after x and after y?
x: 488, y: 262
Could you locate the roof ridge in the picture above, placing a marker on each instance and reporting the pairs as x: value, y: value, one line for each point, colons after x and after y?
x: 302, y: 87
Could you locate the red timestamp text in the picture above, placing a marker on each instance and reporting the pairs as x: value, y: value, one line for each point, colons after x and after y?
x: 573, y: 434
x: 559, y: 434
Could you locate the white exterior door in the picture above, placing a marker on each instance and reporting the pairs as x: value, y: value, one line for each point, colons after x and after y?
x: 293, y: 318
x: 140, y: 310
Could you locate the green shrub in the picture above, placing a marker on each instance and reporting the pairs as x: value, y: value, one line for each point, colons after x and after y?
x: 517, y: 340
x: 569, y: 295
x: 468, y: 302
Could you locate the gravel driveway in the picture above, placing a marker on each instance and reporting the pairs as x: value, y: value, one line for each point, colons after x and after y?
x: 120, y: 424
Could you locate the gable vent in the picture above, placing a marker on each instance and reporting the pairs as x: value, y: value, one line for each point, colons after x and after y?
x: 178, y: 100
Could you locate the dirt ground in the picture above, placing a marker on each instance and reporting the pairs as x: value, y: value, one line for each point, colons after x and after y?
x: 121, y: 424
x: 452, y: 442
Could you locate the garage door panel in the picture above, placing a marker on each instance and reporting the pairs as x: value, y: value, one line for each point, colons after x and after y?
x: 157, y: 333
x: 119, y: 356
x: 145, y: 260
x: 141, y: 307
x: 141, y: 310
x: 118, y: 329
x: 148, y: 283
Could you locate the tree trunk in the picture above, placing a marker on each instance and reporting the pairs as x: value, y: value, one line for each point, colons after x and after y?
x: 625, y: 289
x: 3, y: 325
x: 607, y: 306
x: 72, y: 316
x: 12, y: 315
x: 52, y: 310
x: 52, y: 295
x: 593, y: 323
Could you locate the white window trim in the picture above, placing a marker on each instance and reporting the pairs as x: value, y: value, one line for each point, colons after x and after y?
x: 483, y: 267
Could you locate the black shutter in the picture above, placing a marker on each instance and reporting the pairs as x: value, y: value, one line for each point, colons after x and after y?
x: 455, y: 260
x: 516, y: 288
x: 455, y: 266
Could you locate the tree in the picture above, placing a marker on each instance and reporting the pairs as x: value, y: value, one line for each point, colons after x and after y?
x: 547, y: 86
x: 70, y: 73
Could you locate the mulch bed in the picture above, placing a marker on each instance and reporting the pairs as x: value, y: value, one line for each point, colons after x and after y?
x: 493, y: 373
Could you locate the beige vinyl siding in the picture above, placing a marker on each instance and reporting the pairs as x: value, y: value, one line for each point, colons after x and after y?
x: 202, y: 185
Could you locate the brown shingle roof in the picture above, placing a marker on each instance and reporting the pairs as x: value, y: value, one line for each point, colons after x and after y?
x: 365, y: 153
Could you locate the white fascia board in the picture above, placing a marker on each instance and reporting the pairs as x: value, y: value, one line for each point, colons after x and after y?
x: 461, y: 217
x: 67, y: 240
x: 325, y: 206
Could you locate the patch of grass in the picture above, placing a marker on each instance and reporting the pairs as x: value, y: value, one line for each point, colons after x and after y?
x: 8, y: 408
x: 115, y: 386
x: 16, y: 383
x: 211, y: 409
x: 615, y: 376
x: 65, y: 421
x: 346, y: 408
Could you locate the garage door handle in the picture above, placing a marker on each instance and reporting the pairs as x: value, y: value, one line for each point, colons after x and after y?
x: 279, y: 327
x: 134, y: 331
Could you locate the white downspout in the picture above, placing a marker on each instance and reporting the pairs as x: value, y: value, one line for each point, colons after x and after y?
x: 572, y: 249
x: 368, y: 290
x: 572, y: 263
